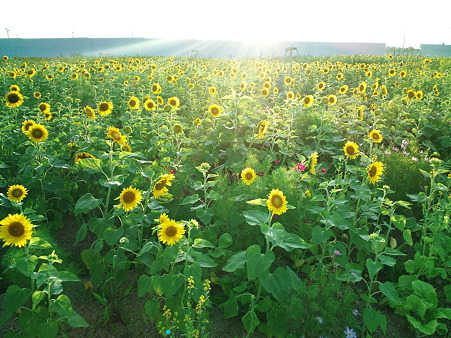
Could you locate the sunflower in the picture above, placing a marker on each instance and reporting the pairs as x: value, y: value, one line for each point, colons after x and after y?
x: 339, y: 76
x: 156, y: 88
x: 171, y: 232
x: 212, y: 90
x: 159, y: 189
x: 313, y: 163
x: 276, y: 202
x: 126, y: 147
x: 419, y: 95
x: 243, y: 86
x: 308, y: 100
x: 160, y: 100
x: 343, y: 89
x: 150, y: 105
x: 248, y: 176
x: 82, y: 155
x: 129, y: 198
x: 411, y: 94
x: 13, y: 99
x: 105, y: 108
x: 38, y: 133
x: 384, y: 90
x: 351, y: 150
x: 360, y: 110
x: 403, y: 73
x: 37, y: 95
x: 391, y: 72
x: 362, y: 87
x: 263, y: 128
x: 331, y: 99
x: 290, y: 95
x: 14, y: 88
x: 48, y: 115
x: 376, y: 136
x: 197, y: 121
x: 26, y: 125
x: 30, y: 72
x: 16, y: 193
x: 116, y: 135
x: 90, y: 112
x: 288, y: 80
x: 74, y: 76
x: 215, y: 110
x: 178, y: 128
x: 5, y: 58
x: 43, y: 107
x: 133, y: 103
x: 16, y: 230
x: 375, y: 170
x: 265, y: 92
x: 174, y: 102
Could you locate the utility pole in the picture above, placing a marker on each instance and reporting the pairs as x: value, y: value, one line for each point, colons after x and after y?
x: 7, y: 31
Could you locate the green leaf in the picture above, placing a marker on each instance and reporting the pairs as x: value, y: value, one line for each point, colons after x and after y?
x: 278, y: 283
x: 225, y: 241
x: 47, y: 329
x: 171, y: 283
x: 389, y: 291
x: 235, y: 262
x: 387, y: 260
x: 191, y: 199
x: 112, y: 236
x: 425, y: 291
x: 256, y: 262
x: 407, y: 235
x: 250, y: 321
x: 256, y: 217
x: 91, y: 165
x: 39, y: 243
x: 279, y: 237
x: 373, y: 267
x: 231, y: 306
x: 399, y: 221
x: 428, y: 328
x: 63, y: 308
x: 416, y: 305
x: 66, y: 276
x: 393, y: 252
x: 27, y: 265
x: 81, y: 233
x: 202, y: 243
x: 152, y: 308
x: 144, y: 285
x: 37, y: 297
x: 374, y: 319
x: 110, y: 184
x: 13, y: 299
x: 86, y: 203
x: 204, y: 260
x: 320, y: 235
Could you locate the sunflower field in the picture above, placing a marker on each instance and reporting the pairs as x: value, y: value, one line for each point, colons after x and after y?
x: 190, y: 197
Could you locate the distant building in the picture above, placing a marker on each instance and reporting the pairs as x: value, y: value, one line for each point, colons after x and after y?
x: 435, y: 50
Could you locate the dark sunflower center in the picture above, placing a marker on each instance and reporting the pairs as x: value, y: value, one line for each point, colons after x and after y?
x: 214, y: 111
x: 331, y: 99
x: 42, y: 107
x: 248, y: 176
x: 129, y: 197
x: 411, y: 94
x: 132, y: 103
x: 16, y: 229
x: 160, y: 185
x: 277, y: 201
x: 375, y: 136
x: 37, y: 133
x: 372, y: 172
x: 171, y: 231
x: 116, y: 135
x: 307, y: 100
x: 17, y: 193
x: 149, y: 105
x: 13, y: 98
x: 172, y: 102
x: 103, y: 106
x: 350, y: 150
x: 27, y: 126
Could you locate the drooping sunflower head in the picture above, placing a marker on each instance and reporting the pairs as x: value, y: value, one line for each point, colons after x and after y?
x: 14, y: 99
x: 38, y: 133
x: 376, y: 136
x: 14, y: 88
x: 362, y: 87
x: 82, y: 155
x: 171, y: 232
x: 263, y: 128
x: 115, y: 134
x: 105, y: 108
x: 351, y: 150
x: 375, y: 171
x: 156, y: 88
x: 90, y: 112
x: 160, y: 188
x: 313, y: 163
x: 129, y: 198
x: 26, y: 125
x: 126, y: 147
x: 133, y: 103
x: 16, y: 230
x: 43, y: 107
x: 178, y: 128
x: 276, y: 202
x: 16, y: 193
x: 248, y: 176
x: 215, y: 110
x: 308, y: 100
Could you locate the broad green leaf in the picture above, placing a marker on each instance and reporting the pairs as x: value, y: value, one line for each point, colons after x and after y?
x: 374, y: 319
x: 204, y: 260
x: 373, y: 267
x: 399, y: 221
x: 112, y: 236
x: 320, y: 235
x: 393, y: 252
x: 13, y: 299
x: 426, y: 292
x: 407, y: 235
x: 37, y: 297
x: 428, y: 328
x: 250, y: 321
x: 235, y: 262
x: 144, y: 285
x: 256, y: 262
x: 172, y: 283
x: 279, y: 237
x: 389, y: 291
x: 91, y: 165
x: 81, y: 233
x: 190, y: 199
x: 387, y: 260
x: 66, y: 276
x: 231, y: 306
x: 152, y: 308
x: 416, y: 305
x: 47, y: 329
x: 202, y: 243
x: 256, y: 217
x: 27, y: 265
x: 39, y: 243
x: 277, y: 283
x: 225, y: 241
x: 86, y: 203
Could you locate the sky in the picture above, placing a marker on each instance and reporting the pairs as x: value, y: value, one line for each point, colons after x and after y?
x: 398, y: 23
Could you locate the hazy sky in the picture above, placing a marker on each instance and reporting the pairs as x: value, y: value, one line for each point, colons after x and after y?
x: 395, y: 22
